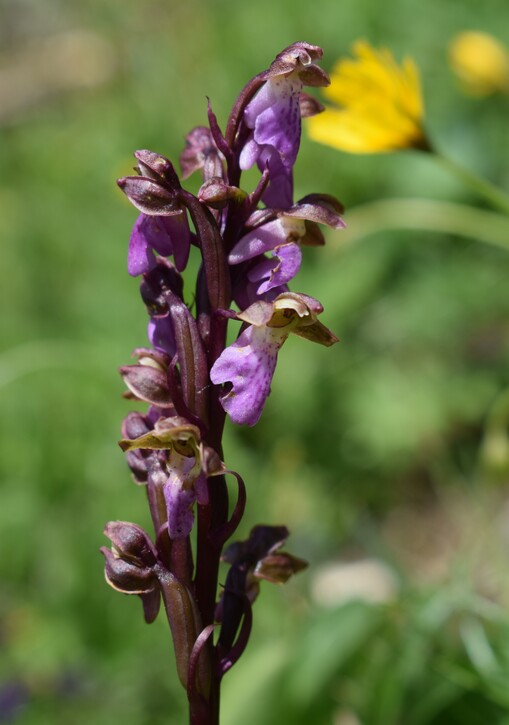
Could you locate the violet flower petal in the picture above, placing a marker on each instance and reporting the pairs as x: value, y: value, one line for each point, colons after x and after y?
x: 249, y: 365
x: 258, y: 241
x: 274, y: 117
x: 177, y: 228
x: 279, y: 193
x: 245, y: 292
x: 285, y: 265
x: 139, y: 256
x: 161, y: 335
x: 249, y: 154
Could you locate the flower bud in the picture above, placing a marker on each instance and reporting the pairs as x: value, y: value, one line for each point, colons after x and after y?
x: 126, y: 577
x: 157, y: 167
x: 131, y: 542
x: 129, y: 564
x: 149, y: 196
x: 147, y: 383
x: 159, y: 280
x: 216, y: 193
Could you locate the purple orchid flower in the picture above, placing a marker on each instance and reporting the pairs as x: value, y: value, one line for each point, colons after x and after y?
x: 274, y: 118
x: 283, y: 236
x: 250, y: 362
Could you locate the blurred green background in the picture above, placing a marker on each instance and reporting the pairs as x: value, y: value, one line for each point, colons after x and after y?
x: 386, y: 456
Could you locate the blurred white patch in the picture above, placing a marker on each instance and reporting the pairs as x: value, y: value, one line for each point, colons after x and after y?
x: 369, y: 580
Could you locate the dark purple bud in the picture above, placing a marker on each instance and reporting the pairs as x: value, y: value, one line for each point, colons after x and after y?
x: 126, y: 577
x: 149, y: 196
x: 147, y: 383
x: 129, y: 564
x: 309, y: 105
x: 134, y: 425
x: 131, y: 542
x: 157, y: 167
x: 217, y: 193
x: 159, y: 357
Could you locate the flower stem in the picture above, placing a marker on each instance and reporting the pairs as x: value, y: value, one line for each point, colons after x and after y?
x: 488, y: 191
x: 428, y: 215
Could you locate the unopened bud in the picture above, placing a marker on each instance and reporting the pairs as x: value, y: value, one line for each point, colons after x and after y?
x: 126, y: 577
x: 131, y: 542
x: 149, y: 196
x: 130, y: 562
x: 216, y: 193
x: 147, y: 383
x: 157, y: 167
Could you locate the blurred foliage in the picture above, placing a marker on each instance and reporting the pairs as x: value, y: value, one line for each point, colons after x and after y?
x: 393, y: 445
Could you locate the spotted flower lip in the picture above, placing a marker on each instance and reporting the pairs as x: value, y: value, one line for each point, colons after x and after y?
x: 283, y: 236
x: 378, y: 104
x: 250, y: 362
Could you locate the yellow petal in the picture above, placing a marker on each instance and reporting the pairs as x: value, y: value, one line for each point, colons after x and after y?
x: 379, y: 104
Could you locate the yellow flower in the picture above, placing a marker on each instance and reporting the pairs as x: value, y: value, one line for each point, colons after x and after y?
x: 380, y: 104
x: 481, y: 62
